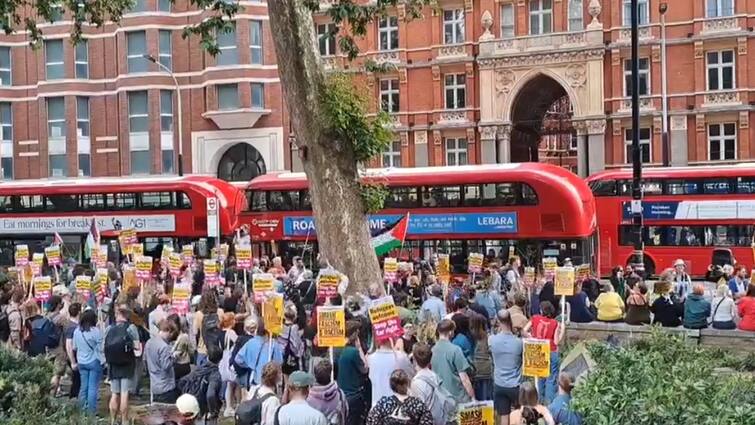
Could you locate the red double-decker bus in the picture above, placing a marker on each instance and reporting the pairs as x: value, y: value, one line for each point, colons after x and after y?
x: 535, y: 210
x: 161, y: 209
x: 688, y: 213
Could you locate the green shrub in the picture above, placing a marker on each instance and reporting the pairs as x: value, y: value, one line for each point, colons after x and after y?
x: 664, y: 380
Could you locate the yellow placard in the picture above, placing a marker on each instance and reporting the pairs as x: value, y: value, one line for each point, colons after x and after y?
x: 475, y: 262
x: 564, y: 283
x: 331, y: 326
x: 137, y: 249
x: 129, y: 278
x: 549, y: 267
x: 444, y: 268
x: 476, y: 413
x: 261, y: 284
x: 327, y: 283
x: 42, y: 287
x: 529, y: 276
x: 22, y: 255
x: 390, y: 265
x: 38, y: 258
x: 583, y: 272
x: 102, y: 277
x: 536, y: 360
x: 272, y: 314
x: 244, y: 257
x: 167, y: 251
x: 174, y: 263
x: 52, y: 253
x: 84, y: 286
x: 143, y: 267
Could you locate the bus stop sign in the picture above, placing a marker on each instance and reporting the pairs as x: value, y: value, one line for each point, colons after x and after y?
x: 213, y: 219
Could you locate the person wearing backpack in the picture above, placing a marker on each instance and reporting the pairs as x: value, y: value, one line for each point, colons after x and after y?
x: 399, y: 408
x: 290, y: 340
x: 325, y: 395
x: 121, y: 348
x: 87, y: 340
x: 242, y: 373
x: 262, y: 403
x: 297, y: 411
x: 426, y: 387
x: 206, y: 325
x: 15, y: 320
x: 41, y: 333
x: 205, y: 384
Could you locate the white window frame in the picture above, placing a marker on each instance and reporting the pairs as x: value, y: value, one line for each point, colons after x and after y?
x: 261, y: 87
x: 644, y: 72
x: 80, y: 120
x: 6, y: 145
x: 83, y: 143
x: 575, y: 6
x: 256, y: 47
x: 721, y: 140
x: 330, y: 43
x: 386, y: 95
x: 456, y: 24
x: 56, y: 120
x: 719, y: 67
x: 138, y: 140
x: 643, y: 142
x: 456, y: 151
x: 459, y: 91
x: 508, y: 26
x: 162, y: 55
x: 542, y: 15
x: 643, y: 18
x: 230, y: 48
x: 62, y: 63
x: 81, y: 61
x: 387, y: 28
x: 8, y: 70
x: 392, y: 154
x: 164, y: 113
x: 217, y: 96
x: 144, y: 115
x: 137, y: 56
x: 718, y: 9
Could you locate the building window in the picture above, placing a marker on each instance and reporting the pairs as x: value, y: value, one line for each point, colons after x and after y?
x: 389, y: 96
x: 82, y: 136
x: 56, y: 136
x: 136, y: 42
x: 56, y: 11
x: 326, y: 39
x: 645, y: 145
x: 719, y: 8
x: 228, y: 54
x: 164, y: 53
x: 163, y: 5
x: 644, y: 77
x: 722, y: 141
x: 138, y: 122
x: 453, y: 26
x: 541, y: 17
x: 392, y: 155
x: 5, y: 66
x: 139, y: 6
x: 642, y: 9
x: 255, y: 41
x: 228, y: 96
x: 507, y: 20
x: 720, y: 70
x: 388, y: 33
x: 576, y: 14
x: 6, y: 145
x: 456, y: 151
x: 54, y: 59
x: 258, y: 96
x: 81, y: 59
x: 456, y: 91
x: 166, y: 111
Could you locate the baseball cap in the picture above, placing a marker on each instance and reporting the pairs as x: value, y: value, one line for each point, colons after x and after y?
x: 301, y: 379
x: 188, y: 406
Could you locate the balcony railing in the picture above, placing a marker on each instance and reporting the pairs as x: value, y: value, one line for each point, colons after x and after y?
x: 453, y: 116
x: 716, y: 25
x: 545, y: 42
x: 452, y: 51
x: 722, y: 98
x: 646, y: 103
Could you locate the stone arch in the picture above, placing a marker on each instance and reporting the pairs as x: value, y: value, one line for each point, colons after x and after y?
x: 526, y: 78
x: 240, y: 162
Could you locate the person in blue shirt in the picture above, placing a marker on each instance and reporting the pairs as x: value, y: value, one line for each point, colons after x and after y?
x: 463, y: 338
x: 488, y: 298
x: 87, y: 343
x: 257, y: 351
x: 738, y: 283
x: 560, y: 408
x: 434, y: 305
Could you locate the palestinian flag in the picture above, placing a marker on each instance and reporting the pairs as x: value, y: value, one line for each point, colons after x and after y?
x: 391, y: 237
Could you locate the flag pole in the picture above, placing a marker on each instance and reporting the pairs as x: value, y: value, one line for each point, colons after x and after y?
x: 403, y: 238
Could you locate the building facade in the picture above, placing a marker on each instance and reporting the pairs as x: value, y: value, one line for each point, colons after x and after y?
x: 484, y: 81
x: 108, y: 106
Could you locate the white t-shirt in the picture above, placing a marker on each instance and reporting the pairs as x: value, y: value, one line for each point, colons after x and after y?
x: 269, y: 406
x: 382, y: 363
x: 725, y: 311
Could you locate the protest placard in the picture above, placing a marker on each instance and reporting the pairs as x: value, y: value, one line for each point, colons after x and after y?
x: 536, y: 360
x: 143, y: 267
x: 181, y: 297
x: 37, y: 260
x: 42, y: 288
x: 261, y: 284
x: 331, y: 326
x: 129, y: 278
x: 244, y: 257
x: 174, y: 264
x: 165, y: 255
x: 327, y: 283
x: 272, y: 313
x: 549, y: 268
x: 476, y: 413
x: 22, y: 255
x: 126, y: 238
x: 52, y: 253
x: 444, y: 268
x: 390, y: 269
x: 223, y: 253
x: 564, y: 283
x: 529, y: 276
x: 583, y: 272
x: 187, y: 253
x: 99, y: 256
x: 211, y: 273
x: 99, y: 284
x: 137, y: 249
x: 384, y: 317
x: 475, y: 262
x: 84, y: 286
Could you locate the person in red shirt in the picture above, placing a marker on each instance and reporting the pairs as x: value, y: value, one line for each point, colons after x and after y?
x: 746, y: 306
x: 545, y: 326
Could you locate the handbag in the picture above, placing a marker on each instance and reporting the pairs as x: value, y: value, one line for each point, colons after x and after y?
x: 227, y: 372
x: 291, y: 362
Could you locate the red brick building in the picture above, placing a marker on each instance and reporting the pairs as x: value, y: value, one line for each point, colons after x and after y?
x: 101, y: 108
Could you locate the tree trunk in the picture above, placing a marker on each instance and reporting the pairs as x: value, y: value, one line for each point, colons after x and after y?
x: 342, y: 230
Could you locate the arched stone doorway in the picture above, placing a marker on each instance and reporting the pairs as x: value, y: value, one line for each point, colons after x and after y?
x: 542, y: 129
x: 241, y: 162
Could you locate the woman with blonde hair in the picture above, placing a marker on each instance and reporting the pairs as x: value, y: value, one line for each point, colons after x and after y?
x: 227, y: 372
x: 531, y: 411
x: 724, y: 310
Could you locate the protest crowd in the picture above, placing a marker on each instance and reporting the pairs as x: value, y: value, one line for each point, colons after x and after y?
x: 262, y: 343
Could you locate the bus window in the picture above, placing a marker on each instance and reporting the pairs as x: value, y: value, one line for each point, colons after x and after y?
x: 93, y: 202
x: 723, y: 235
x: 6, y: 203
x: 529, y: 196
x: 283, y: 200
x: 716, y: 187
x: 649, y: 187
x: 603, y: 187
x: 31, y: 203
x: 61, y: 203
x: 401, y: 197
x: 183, y: 201
x: 682, y: 187
x: 259, y: 201
x: 306, y: 201
x: 447, y: 196
x: 745, y: 184
x: 122, y: 201
x: 473, y: 197
x: 157, y: 200
x: 506, y: 194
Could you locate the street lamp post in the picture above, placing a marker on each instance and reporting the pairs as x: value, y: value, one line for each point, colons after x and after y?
x: 662, y: 8
x: 636, y: 206
x: 180, y: 116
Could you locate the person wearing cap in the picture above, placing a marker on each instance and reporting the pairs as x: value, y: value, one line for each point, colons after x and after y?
x: 188, y: 407
x: 297, y: 411
x: 682, y: 282
x: 434, y: 305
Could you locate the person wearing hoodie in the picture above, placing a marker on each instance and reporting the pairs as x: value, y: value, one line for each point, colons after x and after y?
x: 696, y: 309
x: 325, y: 395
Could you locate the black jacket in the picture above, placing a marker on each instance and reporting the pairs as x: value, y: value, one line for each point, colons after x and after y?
x: 667, y: 313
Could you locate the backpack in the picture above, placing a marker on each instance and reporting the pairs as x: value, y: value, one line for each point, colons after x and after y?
x: 119, y: 346
x: 4, y: 324
x: 227, y: 372
x: 291, y: 362
x: 240, y: 342
x: 397, y: 417
x: 442, y: 404
x: 197, y: 384
x: 249, y: 412
x: 44, y: 334
x: 211, y: 333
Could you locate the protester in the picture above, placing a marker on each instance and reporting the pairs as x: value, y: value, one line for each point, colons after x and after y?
x: 205, y: 385
x: 483, y: 365
x: 696, y: 309
x: 352, y: 374
x: 74, y: 311
x: 227, y: 373
x: 291, y: 341
x: 560, y: 408
x: 297, y: 411
x: 40, y: 333
x: 618, y: 281
x: 681, y: 280
x: 489, y: 299
x: 579, y: 306
x: 426, y: 387
x: 506, y: 350
x: 263, y: 402
x: 325, y: 395
x: 724, y: 315
x: 182, y: 348
x: 462, y: 335
x: 159, y: 357
x: 243, y: 373
x: 738, y: 283
x: 513, y: 278
x: 638, y: 307
x: 258, y: 351
x: 746, y: 309
x: 400, y: 404
x: 530, y: 412
x: 15, y: 320
x: 206, y: 325
x: 610, y: 305
x: 158, y: 314
x: 449, y: 363
x: 122, y: 347
x: 517, y: 313
x: 87, y: 340
x: 381, y: 363
x: 665, y: 310
x: 544, y: 326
